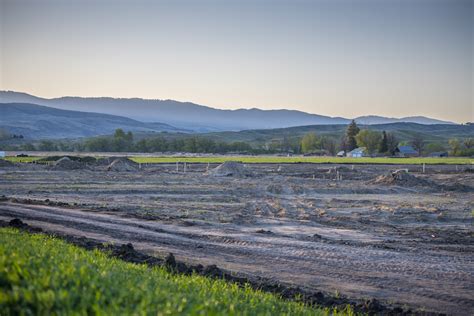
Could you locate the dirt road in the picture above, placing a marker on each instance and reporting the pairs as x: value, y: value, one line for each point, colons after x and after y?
x: 442, y: 281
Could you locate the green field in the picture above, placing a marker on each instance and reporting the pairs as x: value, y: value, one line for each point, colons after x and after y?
x: 276, y: 159
x: 41, y: 275
x: 22, y: 159
x: 273, y: 159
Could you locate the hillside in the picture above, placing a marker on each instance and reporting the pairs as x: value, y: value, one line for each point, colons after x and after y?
x: 403, y: 131
x: 40, y: 122
x: 196, y: 117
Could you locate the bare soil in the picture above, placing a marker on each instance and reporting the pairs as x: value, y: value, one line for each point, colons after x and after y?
x: 334, y: 229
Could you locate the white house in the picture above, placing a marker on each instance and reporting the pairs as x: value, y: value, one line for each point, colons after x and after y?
x: 358, y: 153
x: 2, y: 154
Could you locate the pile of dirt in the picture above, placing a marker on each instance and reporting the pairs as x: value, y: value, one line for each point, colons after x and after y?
x: 402, y: 178
x: 469, y: 170
x: 337, y: 169
x: 122, y: 165
x: 230, y: 169
x: 5, y: 163
x: 66, y: 163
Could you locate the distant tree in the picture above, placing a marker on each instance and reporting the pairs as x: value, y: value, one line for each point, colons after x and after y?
x: 434, y: 147
x: 286, y: 144
x: 368, y: 139
x: 383, y: 147
x: 418, y: 144
x: 122, y: 141
x: 469, y: 143
x: 455, y: 146
x: 119, y: 133
x: 328, y: 145
x: 47, y: 145
x: 309, y: 143
x: 28, y: 147
x: 392, y: 143
x: 97, y: 144
x: 351, y: 132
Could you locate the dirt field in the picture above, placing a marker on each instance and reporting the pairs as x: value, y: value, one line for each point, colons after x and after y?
x: 355, y: 231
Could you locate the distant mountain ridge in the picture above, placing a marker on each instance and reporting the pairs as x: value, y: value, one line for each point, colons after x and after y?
x: 41, y: 122
x: 197, y: 117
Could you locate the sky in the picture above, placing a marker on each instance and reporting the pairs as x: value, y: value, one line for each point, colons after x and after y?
x: 332, y: 57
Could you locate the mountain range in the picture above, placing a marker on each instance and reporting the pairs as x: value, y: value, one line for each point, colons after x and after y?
x: 195, y: 117
x: 40, y: 122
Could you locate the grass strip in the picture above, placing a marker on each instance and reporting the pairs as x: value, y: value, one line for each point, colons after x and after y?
x: 43, y: 275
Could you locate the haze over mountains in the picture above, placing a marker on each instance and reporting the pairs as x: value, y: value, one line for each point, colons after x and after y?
x: 194, y: 117
x: 41, y: 122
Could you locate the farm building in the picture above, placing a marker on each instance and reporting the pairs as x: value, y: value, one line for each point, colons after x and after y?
x: 406, y: 151
x: 439, y: 154
x: 358, y: 153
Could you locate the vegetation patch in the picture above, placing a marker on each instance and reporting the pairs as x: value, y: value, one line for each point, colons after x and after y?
x: 40, y: 274
x: 335, y: 160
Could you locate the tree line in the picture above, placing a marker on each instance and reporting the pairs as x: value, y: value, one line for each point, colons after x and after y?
x: 376, y: 143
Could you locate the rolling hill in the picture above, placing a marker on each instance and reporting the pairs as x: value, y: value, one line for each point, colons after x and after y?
x: 41, y: 122
x: 197, y: 117
x: 403, y: 131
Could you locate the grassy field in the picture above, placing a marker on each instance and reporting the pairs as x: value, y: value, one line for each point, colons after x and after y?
x: 22, y: 159
x: 275, y: 159
x: 41, y: 275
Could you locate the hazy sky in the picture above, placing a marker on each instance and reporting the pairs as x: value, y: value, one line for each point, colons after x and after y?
x: 339, y: 58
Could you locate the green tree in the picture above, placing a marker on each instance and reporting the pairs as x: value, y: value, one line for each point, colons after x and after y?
x: 122, y: 141
x: 383, y: 147
x: 368, y: 139
x: 309, y: 143
x: 47, y: 145
x: 119, y: 133
x: 418, y: 144
x: 434, y: 147
x: 469, y: 143
x: 351, y: 132
x: 28, y: 147
x: 98, y: 144
x: 455, y: 146
x: 392, y: 143
x: 328, y: 144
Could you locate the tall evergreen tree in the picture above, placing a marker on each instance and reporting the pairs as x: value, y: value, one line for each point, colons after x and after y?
x: 383, y: 148
x: 351, y: 132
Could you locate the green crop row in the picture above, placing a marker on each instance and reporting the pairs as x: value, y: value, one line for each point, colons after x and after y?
x: 274, y: 159
x: 42, y: 275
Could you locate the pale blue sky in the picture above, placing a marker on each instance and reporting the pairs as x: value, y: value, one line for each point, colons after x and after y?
x: 339, y: 58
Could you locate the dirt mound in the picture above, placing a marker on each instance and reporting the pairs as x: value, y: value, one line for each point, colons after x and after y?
x: 337, y: 169
x: 67, y: 164
x: 230, y: 169
x: 402, y: 178
x: 469, y: 170
x: 6, y: 163
x: 122, y: 165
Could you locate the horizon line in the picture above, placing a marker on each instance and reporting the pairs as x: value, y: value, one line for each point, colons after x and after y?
x: 234, y: 109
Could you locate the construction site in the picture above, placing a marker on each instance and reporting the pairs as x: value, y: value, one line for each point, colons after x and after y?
x: 400, y: 234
